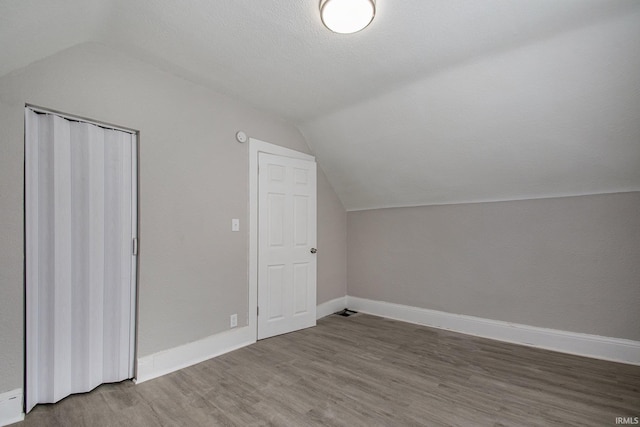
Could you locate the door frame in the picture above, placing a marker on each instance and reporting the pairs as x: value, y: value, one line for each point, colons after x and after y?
x: 256, y: 147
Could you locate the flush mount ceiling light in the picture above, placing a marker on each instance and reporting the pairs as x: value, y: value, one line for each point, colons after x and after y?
x: 347, y: 16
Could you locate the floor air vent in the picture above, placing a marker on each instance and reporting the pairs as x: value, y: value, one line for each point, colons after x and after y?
x: 346, y: 312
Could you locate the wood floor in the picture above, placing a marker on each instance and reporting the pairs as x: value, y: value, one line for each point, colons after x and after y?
x: 367, y: 371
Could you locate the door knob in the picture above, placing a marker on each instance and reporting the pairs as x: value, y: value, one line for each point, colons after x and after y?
x: 314, y: 250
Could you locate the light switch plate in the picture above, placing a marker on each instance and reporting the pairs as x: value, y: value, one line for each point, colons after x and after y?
x: 235, y: 224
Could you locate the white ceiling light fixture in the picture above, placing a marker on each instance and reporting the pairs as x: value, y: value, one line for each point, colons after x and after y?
x: 347, y: 16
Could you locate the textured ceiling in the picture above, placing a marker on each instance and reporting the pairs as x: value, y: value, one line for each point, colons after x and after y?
x: 437, y: 101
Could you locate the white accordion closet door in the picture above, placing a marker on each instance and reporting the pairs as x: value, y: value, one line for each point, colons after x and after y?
x: 80, y: 221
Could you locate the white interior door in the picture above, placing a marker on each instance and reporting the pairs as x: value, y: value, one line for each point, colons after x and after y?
x: 286, y: 244
x: 80, y: 197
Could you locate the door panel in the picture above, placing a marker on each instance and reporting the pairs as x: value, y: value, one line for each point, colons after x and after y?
x: 286, y: 233
x: 300, y: 288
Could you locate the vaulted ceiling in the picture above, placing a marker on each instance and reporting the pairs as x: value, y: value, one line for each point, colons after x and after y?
x: 437, y: 101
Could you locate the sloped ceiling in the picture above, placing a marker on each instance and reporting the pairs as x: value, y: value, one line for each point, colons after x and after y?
x: 438, y: 101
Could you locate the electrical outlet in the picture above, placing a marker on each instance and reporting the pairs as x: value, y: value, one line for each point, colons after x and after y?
x: 233, y: 320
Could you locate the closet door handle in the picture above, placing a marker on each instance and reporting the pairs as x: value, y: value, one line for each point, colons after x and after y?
x: 314, y: 250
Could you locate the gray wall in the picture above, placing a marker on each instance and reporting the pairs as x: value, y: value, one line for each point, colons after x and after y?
x: 332, y: 242
x: 193, y: 180
x: 567, y: 263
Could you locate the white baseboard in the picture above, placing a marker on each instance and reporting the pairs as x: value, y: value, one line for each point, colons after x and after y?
x: 177, y: 358
x: 164, y: 362
x: 594, y: 346
x: 11, y: 407
x: 330, y: 307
